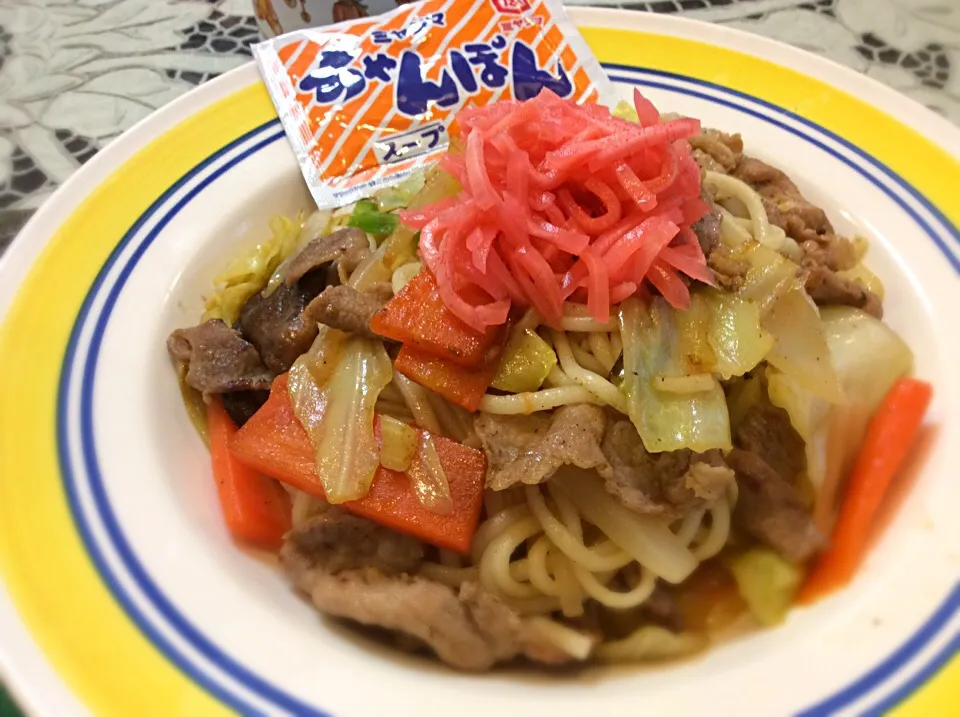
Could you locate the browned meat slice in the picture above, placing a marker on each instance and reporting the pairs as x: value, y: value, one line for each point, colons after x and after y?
x: 501, y: 626
x: 660, y: 483
x: 729, y: 270
x: 830, y: 251
x: 826, y: 288
x: 323, y: 250
x: 662, y: 608
x: 381, y: 291
x: 529, y: 449
x: 218, y: 359
x: 361, y: 572
x: 771, y: 510
x: 345, y: 308
x: 786, y: 206
x: 824, y: 253
x: 283, y: 324
x: 351, y: 259
x: 707, y: 228
x: 337, y: 540
x: 766, y: 431
x: 717, y: 151
x: 277, y: 326
x: 241, y: 405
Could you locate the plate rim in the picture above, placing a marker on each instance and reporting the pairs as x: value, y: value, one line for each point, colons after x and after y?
x: 21, y: 256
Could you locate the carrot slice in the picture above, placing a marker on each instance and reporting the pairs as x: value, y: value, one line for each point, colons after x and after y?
x: 886, y: 445
x: 418, y: 318
x: 255, y: 508
x: 274, y: 442
x: 462, y: 386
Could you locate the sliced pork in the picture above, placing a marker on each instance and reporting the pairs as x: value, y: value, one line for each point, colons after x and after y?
x: 827, y: 288
x: 771, y: 510
x: 530, y: 449
x: 707, y: 229
x: 326, y: 249
x: 717, y: 151
x: 345, y: 308
x: 218, y: 359
x: 241, y: 405
x: 729, y: 270
x: 337, y: 541
x: 356, y: 570
x: 275, y: 323
x: 766, y: 431
x: 668, y: 484
x: 786, y: 206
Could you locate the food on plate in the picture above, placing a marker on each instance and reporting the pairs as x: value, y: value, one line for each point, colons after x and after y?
x: 595, y: 387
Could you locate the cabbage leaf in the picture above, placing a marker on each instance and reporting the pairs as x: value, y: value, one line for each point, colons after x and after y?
x: 738, y: 340
x: 666, y: 421
x: 790, y: 318
x: 334, y: 390
x: 801, y: 350
x: 626, y: 111
x: 250, y: 272
x: 399, y: 196
x: 527, y: 360
x: 651, y: 642
x: 766, y: 582
x: 868, y: 358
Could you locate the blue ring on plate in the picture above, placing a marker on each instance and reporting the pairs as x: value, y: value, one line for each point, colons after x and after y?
x: 266, y: 691
x: 138, y: 573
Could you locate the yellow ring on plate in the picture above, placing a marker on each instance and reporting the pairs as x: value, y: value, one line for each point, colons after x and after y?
x: 54, y: 585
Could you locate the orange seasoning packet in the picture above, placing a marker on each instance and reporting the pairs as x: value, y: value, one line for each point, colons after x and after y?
x: 365, y: 103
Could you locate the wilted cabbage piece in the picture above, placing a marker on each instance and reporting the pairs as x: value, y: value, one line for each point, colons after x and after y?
x: 665, y: 420
x: 868, y: 357
x: 527, y: 359
x: 651, y: 643
x: 249, y: 273
x: 766, y: 582
x: 428, y: 479
x: 398, y: 444
x: 334, y: 390
x: 801, y: 349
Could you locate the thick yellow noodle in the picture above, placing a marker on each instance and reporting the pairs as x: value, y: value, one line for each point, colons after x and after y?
x: 761, y: 230
x: 561, y: 568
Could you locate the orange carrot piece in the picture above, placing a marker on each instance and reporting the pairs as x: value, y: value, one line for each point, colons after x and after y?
x: 274, y: 442
x: 462, y: 386
x: 418, y: 318
x: 255, y: 508
x: 886, y: 445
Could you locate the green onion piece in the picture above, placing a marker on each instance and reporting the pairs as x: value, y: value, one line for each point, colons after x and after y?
x: 367, y: 217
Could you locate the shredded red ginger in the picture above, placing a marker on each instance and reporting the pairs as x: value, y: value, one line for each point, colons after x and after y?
x: 563, y: 202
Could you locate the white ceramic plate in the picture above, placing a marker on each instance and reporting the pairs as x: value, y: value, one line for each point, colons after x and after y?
x: 124, y: 593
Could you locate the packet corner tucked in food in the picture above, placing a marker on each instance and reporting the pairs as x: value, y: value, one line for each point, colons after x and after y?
x: 367, y: 102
